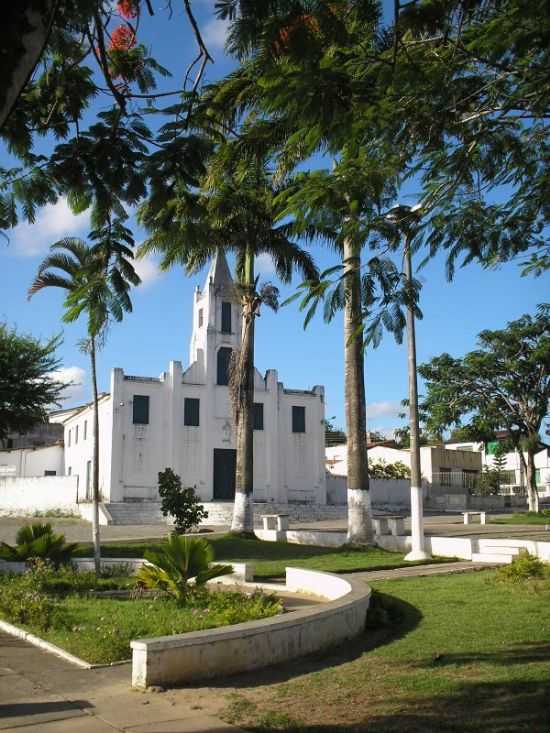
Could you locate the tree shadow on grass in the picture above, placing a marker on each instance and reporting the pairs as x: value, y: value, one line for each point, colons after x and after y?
x: 399, y: 619
x: 476, y: 708
x: 521, y: 653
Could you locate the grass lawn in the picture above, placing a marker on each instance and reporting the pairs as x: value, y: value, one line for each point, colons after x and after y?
x: 464, y: 654
x: 271, y: 558
x: 522, y: 518
x: 99, y: 630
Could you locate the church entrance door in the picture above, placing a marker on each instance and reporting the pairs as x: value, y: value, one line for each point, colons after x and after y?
x: 225, y: 466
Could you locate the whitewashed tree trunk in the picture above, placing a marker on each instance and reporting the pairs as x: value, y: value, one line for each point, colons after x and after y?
x: 242, y: 396
x: 531, y: 480
x: 359, y: 509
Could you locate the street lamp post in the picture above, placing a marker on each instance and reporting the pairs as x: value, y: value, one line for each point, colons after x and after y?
x: 418, y: 550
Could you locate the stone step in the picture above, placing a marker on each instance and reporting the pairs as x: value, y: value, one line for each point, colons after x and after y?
x: 492, y: 557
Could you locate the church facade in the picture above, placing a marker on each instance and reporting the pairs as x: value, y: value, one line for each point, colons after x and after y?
x: 183, y: 419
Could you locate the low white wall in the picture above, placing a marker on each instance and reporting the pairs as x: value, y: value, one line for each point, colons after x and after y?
x: 27, y: 495
x: 202, y: 654
x: 391, y: 493
x: 33, y: 462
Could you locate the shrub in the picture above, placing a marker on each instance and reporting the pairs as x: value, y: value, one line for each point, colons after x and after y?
x: 39, y: 541
x: 23, y: 600
x: 181, y: 559
x: 182, y: 504
x: 382, y: 470
x: 524, y: 567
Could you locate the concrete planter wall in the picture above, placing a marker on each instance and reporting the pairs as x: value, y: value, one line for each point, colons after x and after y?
x: 243, y: 647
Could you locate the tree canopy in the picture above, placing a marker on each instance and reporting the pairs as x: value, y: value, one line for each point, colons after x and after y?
x: 503, y: 385
x: 28, y: 383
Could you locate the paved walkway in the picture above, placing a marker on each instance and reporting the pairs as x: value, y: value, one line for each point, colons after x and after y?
x: 42, y: 693
x: 446, y: 568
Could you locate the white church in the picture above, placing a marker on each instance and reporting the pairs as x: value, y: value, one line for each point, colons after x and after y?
x: 183, y: 419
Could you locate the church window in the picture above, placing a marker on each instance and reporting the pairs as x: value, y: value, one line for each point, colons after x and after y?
x: 191, y: 411
x: 298, y: 419
x: 226, y: 317
x: 85, y: 430
x: 141, y: 410
x: 258, y: 416
x: 224, y: 357
x: 76, y: 435
x: 69, y: 439
x: 49, y: 473
x: 201, y: 317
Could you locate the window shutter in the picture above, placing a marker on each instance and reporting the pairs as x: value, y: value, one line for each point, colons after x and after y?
x: 258, y: 417
x: 226, y: 317
x: 298, y: 419
x: 191, y: 411
x: 141, y: 410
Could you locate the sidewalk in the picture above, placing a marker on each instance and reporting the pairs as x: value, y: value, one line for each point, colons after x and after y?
x: 42, y: 693
x: 417, y: 571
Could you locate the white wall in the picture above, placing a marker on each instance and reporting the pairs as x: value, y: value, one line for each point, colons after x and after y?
x: 29, y: 462
x: 27, y: 495
x: 384, y: 492
x: 78, y: 453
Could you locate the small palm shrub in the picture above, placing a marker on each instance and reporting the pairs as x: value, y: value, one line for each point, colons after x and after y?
x: 181, y: 559
x: 39, y: 541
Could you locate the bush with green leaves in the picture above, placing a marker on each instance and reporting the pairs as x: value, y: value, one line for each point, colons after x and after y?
x: 39, y: 541
x: 181, y: 504
x: 23, y: 600
x: 170, y: 568
x: 382, y: 470
x: 524, y: 567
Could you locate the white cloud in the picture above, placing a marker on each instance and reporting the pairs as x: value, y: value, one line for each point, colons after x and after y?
x: 74, y: 377
x: 388, y: 408
x: 148, y: 270
x: 53, y: 222
x: 264, y: 265
x: 214, y: 34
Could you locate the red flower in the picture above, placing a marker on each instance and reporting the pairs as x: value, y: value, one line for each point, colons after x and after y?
x: 122, y: 39
x: 128, y: 8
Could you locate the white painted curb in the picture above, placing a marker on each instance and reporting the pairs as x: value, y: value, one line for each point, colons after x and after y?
x: 52, y: 648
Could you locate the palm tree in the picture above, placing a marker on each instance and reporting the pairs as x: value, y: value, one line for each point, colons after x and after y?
x: 338, y: 207
x: 97, y: 280
x: 233, y: 211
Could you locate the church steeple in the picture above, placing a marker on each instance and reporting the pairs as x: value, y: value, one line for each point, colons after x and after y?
x: 216, y: 310
x: 219, y: 273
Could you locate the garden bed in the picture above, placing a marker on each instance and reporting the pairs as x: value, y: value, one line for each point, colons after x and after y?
x: 63, y: 609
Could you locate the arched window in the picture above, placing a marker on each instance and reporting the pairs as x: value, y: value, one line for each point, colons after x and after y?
x: 224, y: 357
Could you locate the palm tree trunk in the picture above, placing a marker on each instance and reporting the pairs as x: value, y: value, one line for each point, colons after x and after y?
x: 95, y: 464
x: 418, y: 551
x: 359, y: 511
x: 242, y: 392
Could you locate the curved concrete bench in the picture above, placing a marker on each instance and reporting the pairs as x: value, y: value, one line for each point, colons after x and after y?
x: 201, y: 654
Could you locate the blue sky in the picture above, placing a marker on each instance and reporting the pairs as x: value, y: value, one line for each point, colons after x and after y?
x: 159, y: 329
